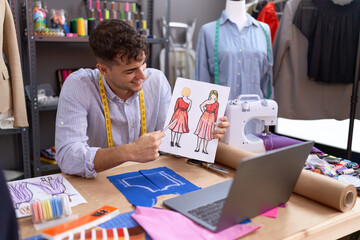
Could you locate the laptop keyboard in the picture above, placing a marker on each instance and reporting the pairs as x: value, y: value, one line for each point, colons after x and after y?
x: 210, y: 213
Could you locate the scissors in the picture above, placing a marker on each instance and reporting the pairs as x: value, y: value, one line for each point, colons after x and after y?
x: 207, y: 165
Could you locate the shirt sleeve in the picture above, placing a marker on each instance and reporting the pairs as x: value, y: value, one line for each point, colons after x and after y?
x: 73, y: 155
x: 266, y: 83
x: 202, y: 69
x: 165, y: 97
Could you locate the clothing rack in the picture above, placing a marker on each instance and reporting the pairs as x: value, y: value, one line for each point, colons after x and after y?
x: 353, y: 103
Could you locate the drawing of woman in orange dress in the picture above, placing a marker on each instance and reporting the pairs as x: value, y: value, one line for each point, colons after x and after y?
x: 179, y: 120
x: 207, y: 121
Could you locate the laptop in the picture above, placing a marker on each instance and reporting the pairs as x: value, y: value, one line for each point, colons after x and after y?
x: 261, y: 183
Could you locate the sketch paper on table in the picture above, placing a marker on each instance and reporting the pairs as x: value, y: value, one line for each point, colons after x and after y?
x: 40, y: 188
x: 193, y: 114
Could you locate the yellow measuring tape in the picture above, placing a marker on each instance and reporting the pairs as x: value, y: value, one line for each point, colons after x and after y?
x: 107, y: 112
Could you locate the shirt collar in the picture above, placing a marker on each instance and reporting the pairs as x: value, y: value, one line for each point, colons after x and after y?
x: 250, y: 20
x: 111, y: 95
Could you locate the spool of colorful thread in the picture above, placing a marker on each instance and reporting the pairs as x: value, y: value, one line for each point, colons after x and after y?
x: 49, y: 209
x: 91, y: 24
x: 80, y: 24
x: 73, y: 27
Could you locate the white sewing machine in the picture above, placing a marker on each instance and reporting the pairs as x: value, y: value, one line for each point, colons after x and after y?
x: 243, y: 109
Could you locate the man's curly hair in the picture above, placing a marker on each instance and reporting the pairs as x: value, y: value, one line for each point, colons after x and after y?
x: 116, y: 39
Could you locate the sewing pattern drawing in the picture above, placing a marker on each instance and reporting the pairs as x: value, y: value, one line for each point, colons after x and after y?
x: 207, y: 121
x: 143, y: 187
x: 137, y: 181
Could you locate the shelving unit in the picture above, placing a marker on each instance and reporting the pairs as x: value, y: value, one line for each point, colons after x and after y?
x: 20, y: 135
x: 38, y: 48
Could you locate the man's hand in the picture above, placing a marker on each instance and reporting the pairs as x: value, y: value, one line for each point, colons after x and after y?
x: 221, y: 128
x: 146, y: 147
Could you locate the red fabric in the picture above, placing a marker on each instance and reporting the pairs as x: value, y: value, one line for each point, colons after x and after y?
x: 268, y: 16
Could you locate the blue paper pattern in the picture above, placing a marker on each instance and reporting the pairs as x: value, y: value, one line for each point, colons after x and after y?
x: 143, y: 187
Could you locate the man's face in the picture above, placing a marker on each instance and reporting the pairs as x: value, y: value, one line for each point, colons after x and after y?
x: 125, y: 79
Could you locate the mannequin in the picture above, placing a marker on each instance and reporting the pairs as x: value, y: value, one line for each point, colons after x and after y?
x: 243, y: 60
x: 235, y: 10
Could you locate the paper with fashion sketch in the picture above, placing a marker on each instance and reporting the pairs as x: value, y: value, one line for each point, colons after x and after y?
x: 193, y: 114
x: 41, y: 188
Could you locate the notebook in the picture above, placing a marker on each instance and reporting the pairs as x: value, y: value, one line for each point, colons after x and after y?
x: 261, y: 183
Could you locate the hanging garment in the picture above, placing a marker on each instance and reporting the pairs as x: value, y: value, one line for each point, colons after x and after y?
x: 297, y: 96
x: 245, y: 60
x: 333, y: 34
x: 12, y: 97
x: 268, y: 16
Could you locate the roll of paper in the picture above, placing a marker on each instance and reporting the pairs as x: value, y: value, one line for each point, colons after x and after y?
x: 230, y: 156
x: 325, y: 190
x: 328, y: 191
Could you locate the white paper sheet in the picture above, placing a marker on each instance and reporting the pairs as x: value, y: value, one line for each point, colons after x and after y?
x: 193, y: 109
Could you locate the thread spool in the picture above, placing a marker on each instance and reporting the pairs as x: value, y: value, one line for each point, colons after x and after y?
x: 73, y: 25
x: 134, y: 7
x: 97, y: 5
x: 86, y: 27
x: 144, y: 24
x: 92, y: 13
x: 80, y: 27
x: 91, y: 24
x: 126, y: 7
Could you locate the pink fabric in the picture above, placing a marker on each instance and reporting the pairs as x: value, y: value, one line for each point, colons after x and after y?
x: 271, y: 213
x: 162, y: 223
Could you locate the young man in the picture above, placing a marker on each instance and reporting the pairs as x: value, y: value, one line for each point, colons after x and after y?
x: 119, y: 88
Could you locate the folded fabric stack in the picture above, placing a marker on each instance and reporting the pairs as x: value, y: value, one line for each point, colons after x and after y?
x: 48, y: 155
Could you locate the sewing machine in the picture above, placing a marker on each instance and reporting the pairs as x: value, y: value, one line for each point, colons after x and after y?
x: 243, y: 109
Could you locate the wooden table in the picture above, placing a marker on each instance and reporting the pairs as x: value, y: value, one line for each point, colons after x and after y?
x: 301, y: 219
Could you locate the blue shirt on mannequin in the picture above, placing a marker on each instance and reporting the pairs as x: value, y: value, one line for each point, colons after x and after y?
x: 245, y: 57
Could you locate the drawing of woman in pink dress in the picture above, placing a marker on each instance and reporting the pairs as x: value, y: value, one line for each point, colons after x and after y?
x: 207, y: 121
x: 179, y: 120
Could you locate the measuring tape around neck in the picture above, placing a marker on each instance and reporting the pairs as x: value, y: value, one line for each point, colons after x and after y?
x: 216, y: 55
x: 107, y: 112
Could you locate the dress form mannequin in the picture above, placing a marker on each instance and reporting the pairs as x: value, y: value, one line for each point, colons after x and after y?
x: 235, y: 10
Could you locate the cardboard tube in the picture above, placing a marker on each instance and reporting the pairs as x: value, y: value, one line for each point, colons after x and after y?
x: 328, y: 191
x: 325, y: 190
x: 231, y: 156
